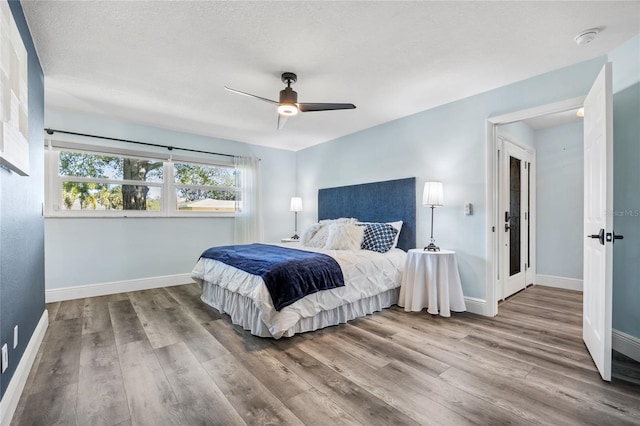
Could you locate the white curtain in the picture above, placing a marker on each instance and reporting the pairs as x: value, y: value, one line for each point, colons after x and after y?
x: 248, y: 218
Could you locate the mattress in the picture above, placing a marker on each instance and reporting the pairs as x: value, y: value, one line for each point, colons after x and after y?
x: 367, y: 274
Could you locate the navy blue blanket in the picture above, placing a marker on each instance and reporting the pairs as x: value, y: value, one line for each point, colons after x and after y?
x: 289, y: 274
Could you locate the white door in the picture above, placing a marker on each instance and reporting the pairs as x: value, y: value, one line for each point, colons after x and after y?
x: 516, y: 190
x: 598, y: 221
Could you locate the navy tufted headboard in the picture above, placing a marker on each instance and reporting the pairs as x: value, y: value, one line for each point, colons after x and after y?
x: 387, y: 201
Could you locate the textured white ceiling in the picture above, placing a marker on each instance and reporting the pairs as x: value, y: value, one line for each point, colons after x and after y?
x: 165, y: 63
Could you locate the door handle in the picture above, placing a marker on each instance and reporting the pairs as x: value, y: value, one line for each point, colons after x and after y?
x: 599, y: 236
x: 612, y: 237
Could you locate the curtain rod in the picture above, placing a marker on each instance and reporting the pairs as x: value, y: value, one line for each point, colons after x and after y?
x: 170, y: 148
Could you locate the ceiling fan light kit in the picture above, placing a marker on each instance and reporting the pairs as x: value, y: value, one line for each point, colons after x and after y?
x: 288, y: 102
x: 287, y: 109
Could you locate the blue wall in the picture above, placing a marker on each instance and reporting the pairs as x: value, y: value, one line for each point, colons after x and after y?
x: 626, y: 182
x: 560, y: 200
x: 446, y: 143
x: 518, y: 132
x: 21, y: 224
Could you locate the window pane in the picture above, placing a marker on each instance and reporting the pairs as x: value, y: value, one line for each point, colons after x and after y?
x: 145, y: 170
x: 98, y: 196
x: 101, y: 166
x: 205, y: 200
x: 88, y: 165
x: 515, y: 191
x: 197, y: 174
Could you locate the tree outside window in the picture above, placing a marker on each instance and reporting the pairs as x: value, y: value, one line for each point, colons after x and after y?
x: 102, y: 193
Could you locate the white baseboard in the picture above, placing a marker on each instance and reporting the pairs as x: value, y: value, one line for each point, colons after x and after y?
x: 477, y: 306
x: 559, y: 282
x: 626, y: 344
x: 11, y: 397
x: 93, y: 290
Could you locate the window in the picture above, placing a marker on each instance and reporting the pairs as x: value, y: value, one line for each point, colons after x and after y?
x: 204, y: 188
x: 82, y: 183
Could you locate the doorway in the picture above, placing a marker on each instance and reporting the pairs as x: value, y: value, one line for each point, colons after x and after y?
x: 495, y: 272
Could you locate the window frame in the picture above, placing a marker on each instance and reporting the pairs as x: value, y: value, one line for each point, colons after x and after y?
x: 168, y: 186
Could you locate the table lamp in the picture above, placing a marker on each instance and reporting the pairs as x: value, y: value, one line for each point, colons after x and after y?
x: 296, y: 206
x: 432, y: 196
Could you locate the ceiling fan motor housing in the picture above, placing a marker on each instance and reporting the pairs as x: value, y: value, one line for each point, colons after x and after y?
x: 288, y: 96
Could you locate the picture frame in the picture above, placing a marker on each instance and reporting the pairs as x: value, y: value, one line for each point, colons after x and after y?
x: 14, y: 96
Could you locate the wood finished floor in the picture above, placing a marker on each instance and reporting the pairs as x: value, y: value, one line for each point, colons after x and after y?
x: 162, y: 357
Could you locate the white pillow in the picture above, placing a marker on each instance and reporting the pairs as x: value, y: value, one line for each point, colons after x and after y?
x: 308, y: 233
x: 397, y: 225
x: 344, y: 236
x: 319, y: 238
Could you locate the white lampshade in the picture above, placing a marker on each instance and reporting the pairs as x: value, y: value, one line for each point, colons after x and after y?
x: 296, y: 204
x: 433, y: 194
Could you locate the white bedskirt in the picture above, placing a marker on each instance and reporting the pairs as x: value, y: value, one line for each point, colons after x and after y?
x: 243, y: 311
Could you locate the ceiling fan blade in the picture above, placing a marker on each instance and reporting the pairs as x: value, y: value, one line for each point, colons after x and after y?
x: 282, y: 120
x: 250, y: 95
x: 308, y: 107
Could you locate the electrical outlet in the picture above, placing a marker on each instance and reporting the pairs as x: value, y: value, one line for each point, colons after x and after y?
x: 15, y: 337
x: 5, y: 357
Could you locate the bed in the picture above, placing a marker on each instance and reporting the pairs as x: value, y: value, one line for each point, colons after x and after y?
x: 371, y: 279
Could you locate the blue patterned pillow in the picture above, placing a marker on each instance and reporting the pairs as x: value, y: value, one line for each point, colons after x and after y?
x: 378, y: 237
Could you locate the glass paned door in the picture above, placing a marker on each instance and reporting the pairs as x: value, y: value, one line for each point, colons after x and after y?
x: 515, y: 200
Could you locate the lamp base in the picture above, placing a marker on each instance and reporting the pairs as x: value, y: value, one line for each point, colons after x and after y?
x: 432, y: 247
x: 295, y: 237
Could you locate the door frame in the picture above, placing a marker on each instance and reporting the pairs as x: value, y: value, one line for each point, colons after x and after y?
x: 530, y: 271
x: 491, y: 192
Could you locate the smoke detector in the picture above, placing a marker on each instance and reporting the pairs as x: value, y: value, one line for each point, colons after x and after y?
x: 586, y: 36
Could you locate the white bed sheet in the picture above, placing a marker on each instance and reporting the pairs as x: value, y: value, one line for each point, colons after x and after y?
x: 366, y: 274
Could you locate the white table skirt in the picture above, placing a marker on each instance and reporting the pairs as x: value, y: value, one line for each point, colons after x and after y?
x: 431, y: 280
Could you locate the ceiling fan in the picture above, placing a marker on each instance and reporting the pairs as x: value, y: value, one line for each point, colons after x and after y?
x: 288, y: 104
